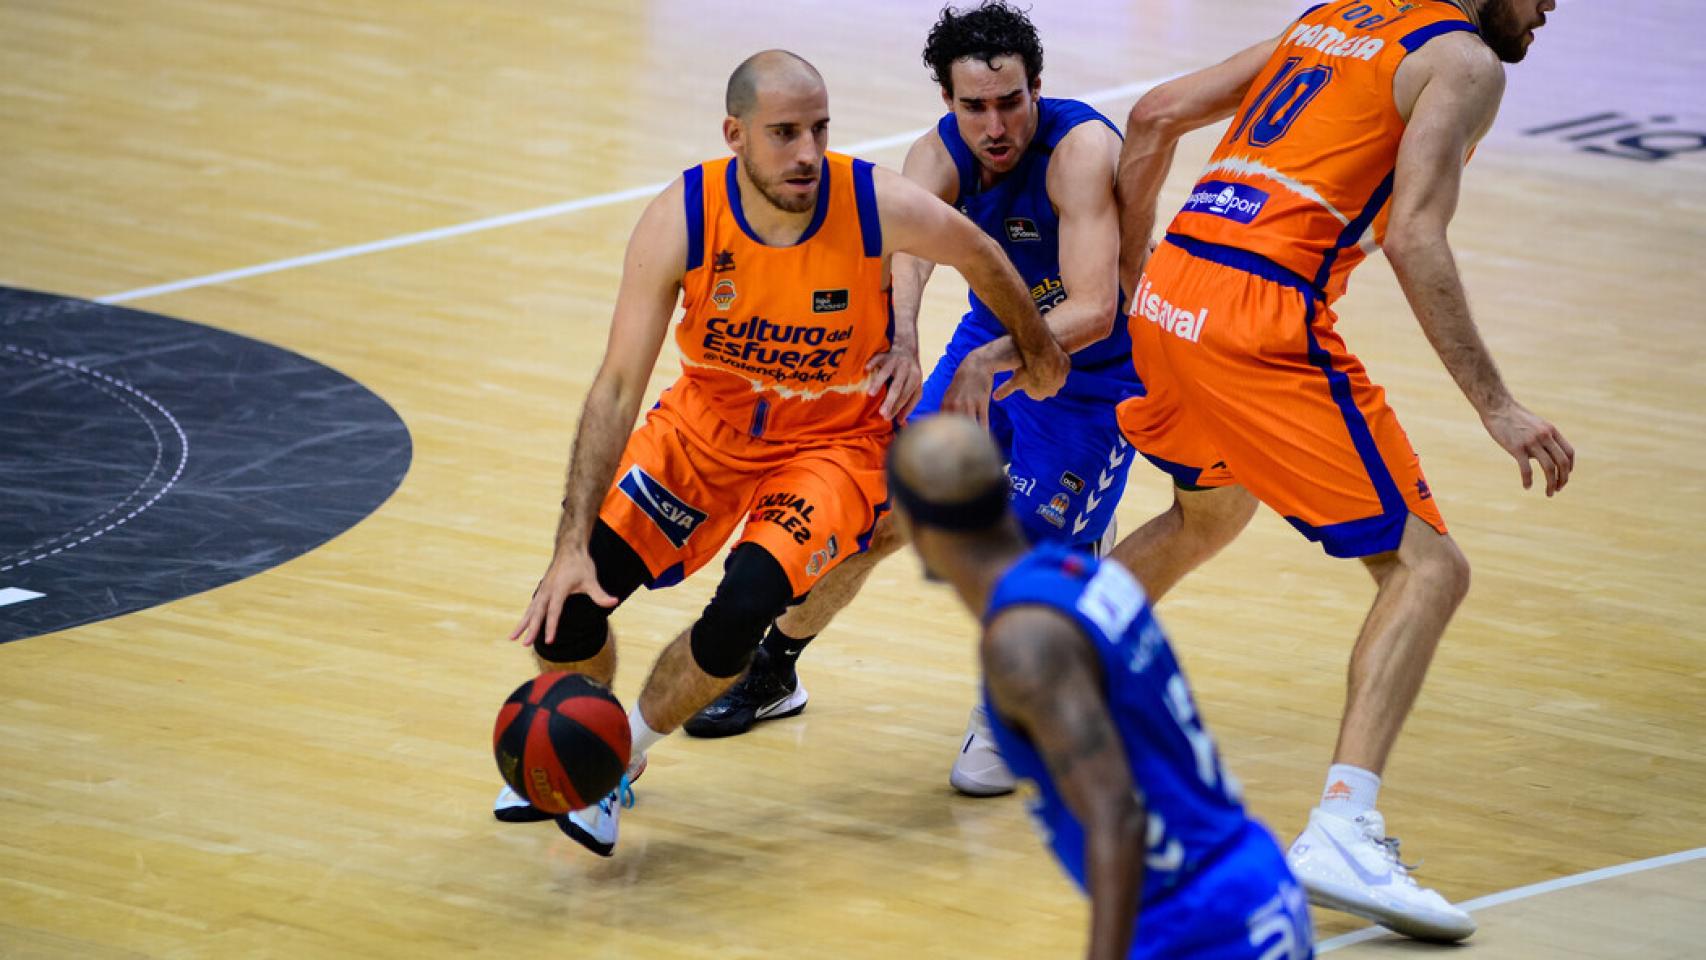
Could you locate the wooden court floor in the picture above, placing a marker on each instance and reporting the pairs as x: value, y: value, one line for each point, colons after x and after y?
x: 297, y: 765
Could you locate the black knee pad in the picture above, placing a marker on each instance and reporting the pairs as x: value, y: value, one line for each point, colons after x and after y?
x: 754, y: 592
x: 582, y: 629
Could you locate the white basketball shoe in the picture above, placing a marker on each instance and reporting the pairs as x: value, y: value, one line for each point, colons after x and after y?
x: 1352, y: 865
x: 979, y: 770
x: 594, y: 827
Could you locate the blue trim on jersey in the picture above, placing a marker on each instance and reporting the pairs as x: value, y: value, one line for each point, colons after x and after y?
x: 1415, y: 39
x: 1372, y: 534
x: 1352, y: 234
x: 693, y: 200
x: 739, y: 211
x: 1178, y: 471
x: 1240, y: 259
x: 964, y: 162
x: 865, y: 198
x: 1305, y: 14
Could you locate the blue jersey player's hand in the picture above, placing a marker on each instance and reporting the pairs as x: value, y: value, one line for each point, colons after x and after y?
x: 898, y: 370
x: 968, y: 393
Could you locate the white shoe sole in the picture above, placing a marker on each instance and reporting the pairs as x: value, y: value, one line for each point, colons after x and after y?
x: 1439, y: 930
x: 786, y: 707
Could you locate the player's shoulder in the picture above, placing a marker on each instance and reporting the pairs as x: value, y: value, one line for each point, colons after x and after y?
x: 1459, y: 54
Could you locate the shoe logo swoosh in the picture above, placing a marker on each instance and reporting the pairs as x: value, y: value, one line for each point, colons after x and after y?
x: 1372, y: 879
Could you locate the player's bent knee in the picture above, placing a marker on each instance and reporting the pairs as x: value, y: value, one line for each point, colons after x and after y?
x: 886, y: 538
x: 755, y: 590
x: 583, y: 628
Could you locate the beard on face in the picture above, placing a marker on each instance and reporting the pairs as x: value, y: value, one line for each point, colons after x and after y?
x: 1503, y: 31
x: 771, y: 188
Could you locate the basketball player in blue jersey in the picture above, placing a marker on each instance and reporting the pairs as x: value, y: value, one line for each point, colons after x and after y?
x: 1089, y: 706
x: 1036, y: 174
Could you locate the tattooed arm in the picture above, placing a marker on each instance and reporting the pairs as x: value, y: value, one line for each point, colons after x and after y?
x: 1045, y: 681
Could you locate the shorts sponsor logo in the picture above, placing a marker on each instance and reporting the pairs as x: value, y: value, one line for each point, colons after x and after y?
x: 1023, y: 230
x: 1179, y: 321
x: 1072, y: 481
x: 829, y: 301
x: 1238, y: 202
x: 672, y: 514
x: 1055, y: 510
x: 784, y: 352
x: 1022, y: 486
x: 723, y: 294
x: 830, y: 551
x: 790, y: 511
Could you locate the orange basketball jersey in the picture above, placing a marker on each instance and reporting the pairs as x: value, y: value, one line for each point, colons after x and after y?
x: 1303, y: 175
x: 774, y: 340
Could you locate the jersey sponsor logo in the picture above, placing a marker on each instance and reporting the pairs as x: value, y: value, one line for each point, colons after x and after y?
x: 1179, y: 321
x: 1111, y: 600
x: 722, y: 261
x: 1023, y: 230
x: 1072, y: 482
x: 1238, y: 202
x: 1054, y: 511
x: 1333, y: 42
x: 790, y: 511
x: 723, y: 294
x: 672, y: 514
x: 1048, y: 294
x: 1021, y: 486
x: 829, y: 301
x: 783, y: 352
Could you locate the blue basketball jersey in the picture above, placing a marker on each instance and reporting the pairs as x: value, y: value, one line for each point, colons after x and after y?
x: 1199, y: 837
x: 1017, y: 213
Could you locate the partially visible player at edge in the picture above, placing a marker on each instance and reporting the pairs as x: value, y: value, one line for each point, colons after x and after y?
x: 1351, y: 132
x: 1037, y: 174
x: 781, y: 257
x: 1090, y: 708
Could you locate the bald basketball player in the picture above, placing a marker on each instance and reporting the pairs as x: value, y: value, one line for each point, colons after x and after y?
x: 1091, y: 711
x: 1350, y: 135
x: 780, y: 255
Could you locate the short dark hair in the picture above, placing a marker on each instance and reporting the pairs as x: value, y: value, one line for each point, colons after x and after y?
x: 990, y: 30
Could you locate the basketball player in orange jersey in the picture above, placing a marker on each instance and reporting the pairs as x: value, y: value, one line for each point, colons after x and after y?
x: 781, y: 257
x: 1349, y: 133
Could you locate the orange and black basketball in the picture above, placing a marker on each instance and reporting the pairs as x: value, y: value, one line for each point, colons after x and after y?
x: 561, y: 741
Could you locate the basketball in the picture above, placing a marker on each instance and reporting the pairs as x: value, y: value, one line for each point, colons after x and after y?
x: 561, y: 741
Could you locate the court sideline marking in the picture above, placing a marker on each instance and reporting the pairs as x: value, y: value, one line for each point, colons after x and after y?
x: 1532, y: 890
x: 525, y: 216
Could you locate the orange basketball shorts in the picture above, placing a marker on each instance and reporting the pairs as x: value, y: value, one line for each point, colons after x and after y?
x: 1248, y: 383
x: 687, y: 481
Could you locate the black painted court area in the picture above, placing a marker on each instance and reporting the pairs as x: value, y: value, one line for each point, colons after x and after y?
x: 144, y: 459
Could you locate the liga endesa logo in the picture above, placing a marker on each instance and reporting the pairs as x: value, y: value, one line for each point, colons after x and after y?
x: 793, y: 352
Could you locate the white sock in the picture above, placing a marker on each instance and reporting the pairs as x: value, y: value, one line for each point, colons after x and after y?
x: 642, y: 736
x: 1350, y: 791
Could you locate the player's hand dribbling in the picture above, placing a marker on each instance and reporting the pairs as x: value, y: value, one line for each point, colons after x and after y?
x: 898, y: 369
x: 1528, y: 437
x: 1041, y: 376
x: 571, y: 572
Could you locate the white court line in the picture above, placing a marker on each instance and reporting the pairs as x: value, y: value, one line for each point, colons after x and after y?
x: 1532, y: 890
x: 525, y: 216
x: 12, y: 595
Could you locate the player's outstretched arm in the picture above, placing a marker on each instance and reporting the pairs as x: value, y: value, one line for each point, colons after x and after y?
x: 929, y: 166
x: 1450, y: 91
x: 917, y: 223
x: 1044, y: 680
x: 652, y: 270
x: 1153, y: 128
